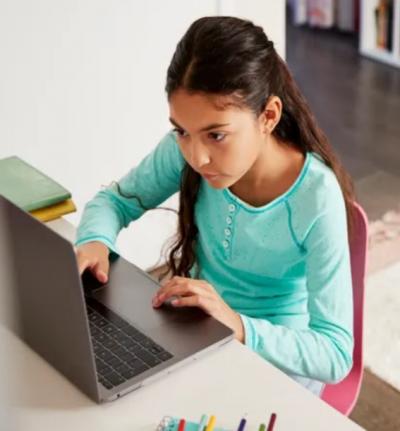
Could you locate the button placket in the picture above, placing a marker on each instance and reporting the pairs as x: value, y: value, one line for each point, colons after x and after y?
x: 229, y: 220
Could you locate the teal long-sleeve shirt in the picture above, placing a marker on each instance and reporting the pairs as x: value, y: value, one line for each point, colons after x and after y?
x: 283, y: 267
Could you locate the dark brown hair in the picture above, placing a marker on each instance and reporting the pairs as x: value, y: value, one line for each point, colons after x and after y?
x: 233, y: 58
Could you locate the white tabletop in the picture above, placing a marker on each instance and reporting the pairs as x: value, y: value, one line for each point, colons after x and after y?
x: 230, y: 382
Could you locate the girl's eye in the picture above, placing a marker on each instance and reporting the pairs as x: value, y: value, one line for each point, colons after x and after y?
x: 179, y: 132
x: 217, y: 136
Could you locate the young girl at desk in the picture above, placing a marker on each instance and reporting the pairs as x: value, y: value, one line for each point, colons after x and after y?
x: 265, y: 204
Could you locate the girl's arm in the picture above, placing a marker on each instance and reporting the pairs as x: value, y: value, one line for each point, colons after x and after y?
x: 155, y: 179
x: 324, y: 350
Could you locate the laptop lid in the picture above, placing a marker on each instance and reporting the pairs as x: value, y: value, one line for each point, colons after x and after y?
x: 49, y: 311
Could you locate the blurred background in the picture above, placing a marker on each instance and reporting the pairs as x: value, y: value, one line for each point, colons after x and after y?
x: 82, y: 99
x: 345, y: 56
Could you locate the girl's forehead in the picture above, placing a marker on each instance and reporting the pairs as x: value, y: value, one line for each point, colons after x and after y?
x: 184, y: 105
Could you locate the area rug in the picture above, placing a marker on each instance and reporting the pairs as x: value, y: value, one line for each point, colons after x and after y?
x: 382, y: 299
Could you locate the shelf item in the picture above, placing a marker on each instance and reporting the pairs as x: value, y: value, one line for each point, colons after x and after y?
x: 380, y: 30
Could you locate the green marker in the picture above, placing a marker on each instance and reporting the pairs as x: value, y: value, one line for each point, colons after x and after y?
x: 202, y: 423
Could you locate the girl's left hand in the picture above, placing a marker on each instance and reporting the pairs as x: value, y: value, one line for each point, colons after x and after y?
x: 199, y: 293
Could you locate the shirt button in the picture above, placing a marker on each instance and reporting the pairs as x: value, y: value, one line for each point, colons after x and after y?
x: 227, y: 232
x: 229, y: 220
x: 225, y: 243
x: 231, y: 208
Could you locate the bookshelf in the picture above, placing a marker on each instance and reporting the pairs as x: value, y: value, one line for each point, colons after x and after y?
x: 368, y: 33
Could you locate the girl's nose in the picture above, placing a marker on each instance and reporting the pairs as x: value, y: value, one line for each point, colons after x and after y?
x: 199, y: 158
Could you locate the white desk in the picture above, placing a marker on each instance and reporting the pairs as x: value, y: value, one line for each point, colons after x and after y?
x: 230, y: 382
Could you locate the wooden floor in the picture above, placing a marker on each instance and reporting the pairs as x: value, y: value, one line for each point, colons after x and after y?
x: 378, y: 406
x: 357, y: 103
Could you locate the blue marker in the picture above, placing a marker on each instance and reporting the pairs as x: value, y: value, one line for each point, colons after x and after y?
x: 242, y: 424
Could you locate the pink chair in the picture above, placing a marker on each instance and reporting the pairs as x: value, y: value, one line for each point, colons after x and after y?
x: 343, y: 395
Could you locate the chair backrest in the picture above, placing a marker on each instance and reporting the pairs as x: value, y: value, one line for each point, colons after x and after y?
x: 343, y: 395
x: 358, y: 256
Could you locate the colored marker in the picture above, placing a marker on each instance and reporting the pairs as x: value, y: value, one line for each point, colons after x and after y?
x: 242, y: 424
x: 262, y: 427
x: 271, y: 422
x: 202, y: 423
x: 211, y: 423
x: 181, y: 426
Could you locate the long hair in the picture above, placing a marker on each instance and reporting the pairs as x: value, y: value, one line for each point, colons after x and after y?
x: 229, y: 56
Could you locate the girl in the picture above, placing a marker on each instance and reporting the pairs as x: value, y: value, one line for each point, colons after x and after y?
x: 265, y: 205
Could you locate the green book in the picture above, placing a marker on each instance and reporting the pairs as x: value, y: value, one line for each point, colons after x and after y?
x: 27, y: 187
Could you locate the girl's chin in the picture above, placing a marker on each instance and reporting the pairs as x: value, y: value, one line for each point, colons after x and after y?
x: 219, y: 182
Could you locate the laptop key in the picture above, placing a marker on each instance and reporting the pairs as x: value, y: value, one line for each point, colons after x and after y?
x: 94, y: 317
x: 114, y: 362
x: 109, y: 329
x: 155, y: 348
x: 146, y: 343
x: 120, y: 336
x: 121, y: 368
x: 131, y: 373
x: 105, y: 355
x: 127, y: 356
x: 105, y: 370
x: 106, y: 383
x: 119, y: 351
x: 101, y: 322
x: 137, y: 364
x: 127, y: 343
x: 100, y: 365
x: 164, y: 356
x: 148, y: 358
x: 134, y: 348
x: 101, y: 337
x: 111, y: 344
x: 114, y: 378
x: 97, y: 347
x: 130, y: 330
x: 94, y: 332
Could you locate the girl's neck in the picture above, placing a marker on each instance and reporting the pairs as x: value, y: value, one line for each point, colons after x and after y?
x: 275, y: 170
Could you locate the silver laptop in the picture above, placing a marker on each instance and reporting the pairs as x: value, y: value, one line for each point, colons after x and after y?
x: 106, y: 339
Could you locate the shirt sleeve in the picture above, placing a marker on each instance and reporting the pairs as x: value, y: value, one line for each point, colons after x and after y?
x: 154, y: 179
x: 324, y: 350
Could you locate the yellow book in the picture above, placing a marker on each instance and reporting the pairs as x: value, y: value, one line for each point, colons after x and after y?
x: 52, y: 212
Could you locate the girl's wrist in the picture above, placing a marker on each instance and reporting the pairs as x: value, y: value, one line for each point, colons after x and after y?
x: 239, y: 329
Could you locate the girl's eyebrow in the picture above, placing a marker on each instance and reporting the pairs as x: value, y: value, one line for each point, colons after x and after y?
x: 204, y: 129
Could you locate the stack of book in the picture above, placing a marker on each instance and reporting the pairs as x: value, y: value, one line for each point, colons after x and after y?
x: 33, y: 191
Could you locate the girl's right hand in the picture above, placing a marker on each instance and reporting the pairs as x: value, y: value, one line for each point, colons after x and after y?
x: 93, y: 255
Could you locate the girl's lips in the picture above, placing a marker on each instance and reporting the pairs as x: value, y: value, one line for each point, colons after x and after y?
x: 208, y: 176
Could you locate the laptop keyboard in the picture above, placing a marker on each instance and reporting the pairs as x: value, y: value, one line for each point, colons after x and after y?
x: 121, y: 351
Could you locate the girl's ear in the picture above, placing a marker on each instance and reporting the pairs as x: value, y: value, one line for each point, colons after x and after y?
x: 272, y: 114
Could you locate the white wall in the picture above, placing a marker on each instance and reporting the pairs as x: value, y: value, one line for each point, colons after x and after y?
x: 82, y: 90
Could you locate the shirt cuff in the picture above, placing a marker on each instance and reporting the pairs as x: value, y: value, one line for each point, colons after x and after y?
x: 248, y: 333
